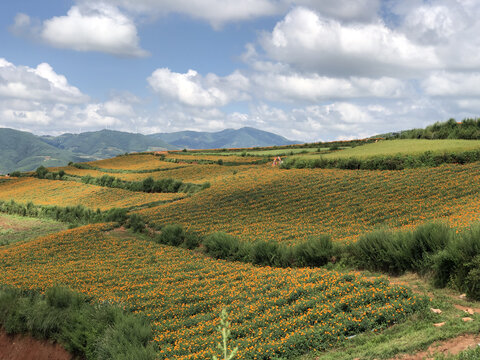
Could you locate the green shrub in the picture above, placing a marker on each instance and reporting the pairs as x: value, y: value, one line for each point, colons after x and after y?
x: 192, y: 240
x: 41, y: 172
x: 426, y: 240
x: 316, y: 251
x: 266, y: 253
x: 136, y: 223
x: 472, y: 280
x: 171, y: 235
x: 224, y: 246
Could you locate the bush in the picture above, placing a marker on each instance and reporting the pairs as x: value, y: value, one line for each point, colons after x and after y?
x: 41, y: 172
x: 426, y: 240
x: 266, y: 253
x: 136, y: 223
x: 314, y: 251
x: 224, y: 246
x: 171, y: 235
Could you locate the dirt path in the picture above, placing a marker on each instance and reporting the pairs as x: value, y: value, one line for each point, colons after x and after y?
x: 20, y: 347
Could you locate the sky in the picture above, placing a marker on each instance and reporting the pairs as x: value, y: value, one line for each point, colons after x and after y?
x: 308, y: 70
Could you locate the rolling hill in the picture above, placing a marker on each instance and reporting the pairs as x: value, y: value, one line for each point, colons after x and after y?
x: 24, y: 151
x: 106, y: 143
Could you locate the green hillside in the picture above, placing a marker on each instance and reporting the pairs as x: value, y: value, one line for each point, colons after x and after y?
x: 107, y: 143
x: 24, y: 151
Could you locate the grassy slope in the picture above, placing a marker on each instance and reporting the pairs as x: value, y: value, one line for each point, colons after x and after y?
x: 71, y: 193
x: 393, y: 147
x: 24, y: 151
x: 15, y: 228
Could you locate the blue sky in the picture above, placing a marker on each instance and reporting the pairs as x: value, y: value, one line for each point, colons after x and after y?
x: 305, y: 69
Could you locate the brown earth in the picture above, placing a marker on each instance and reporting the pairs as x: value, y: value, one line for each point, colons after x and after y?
x: 21, y: 347
x: 448, y: 347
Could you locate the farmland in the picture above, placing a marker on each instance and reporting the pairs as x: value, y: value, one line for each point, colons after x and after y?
x: 341, y: 203
x: 275, y: 313
x: 70, y: 193
x: 323, y: 307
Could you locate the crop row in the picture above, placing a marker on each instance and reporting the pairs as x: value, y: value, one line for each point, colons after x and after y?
x: 274, y: 312
x: 290, y: 205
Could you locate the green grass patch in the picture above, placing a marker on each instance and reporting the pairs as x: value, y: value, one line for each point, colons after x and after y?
x: 403, y: 147
x: 14, y: 228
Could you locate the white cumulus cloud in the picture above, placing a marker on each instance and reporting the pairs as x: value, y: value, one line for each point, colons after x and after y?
x: 40, y: 84
x: 192, y: 89
x: 88, y: 26
x: 307, y: 40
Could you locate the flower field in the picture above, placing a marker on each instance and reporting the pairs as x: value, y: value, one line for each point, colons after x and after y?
x: 70, y: 193
x: 133, y: 162
x: 290, y: 205
x: 225, y: 158
x: 274, y: 312
x: 184, y: 172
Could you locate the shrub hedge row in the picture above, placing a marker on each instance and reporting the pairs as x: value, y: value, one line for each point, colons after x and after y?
x: 149, y: 185
x: 393, y: 162
x: 76, y: 215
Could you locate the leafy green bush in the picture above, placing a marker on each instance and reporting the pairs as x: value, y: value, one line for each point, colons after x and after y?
x: 171, y: 235
x: 316, y: 251
x: 224, y: 246
x: 266, y: 253
x: 136, y: 223
x: 41, y: 172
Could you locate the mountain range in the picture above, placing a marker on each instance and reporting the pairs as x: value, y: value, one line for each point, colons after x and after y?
x: 25, y: 151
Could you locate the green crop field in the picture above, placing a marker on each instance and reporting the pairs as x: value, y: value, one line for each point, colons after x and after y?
x: 408, y: 146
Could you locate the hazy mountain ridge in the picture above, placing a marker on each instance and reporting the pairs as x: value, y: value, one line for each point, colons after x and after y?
x: 228, y: 138
x: 25, y: 151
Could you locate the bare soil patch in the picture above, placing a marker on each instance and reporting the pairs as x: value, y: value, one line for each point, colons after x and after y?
x: 20, y: 347
x: 448, y: 347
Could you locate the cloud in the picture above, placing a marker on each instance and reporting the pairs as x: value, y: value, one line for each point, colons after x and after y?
x: 192, y: 89
x: 220, y: 12
x: 452, y: 84
x: 37, y: 84
x: 347, y: 10
x: 216, y: 12
x: 309, y: 41
x: 89, y: 26
x: 289, y: 87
